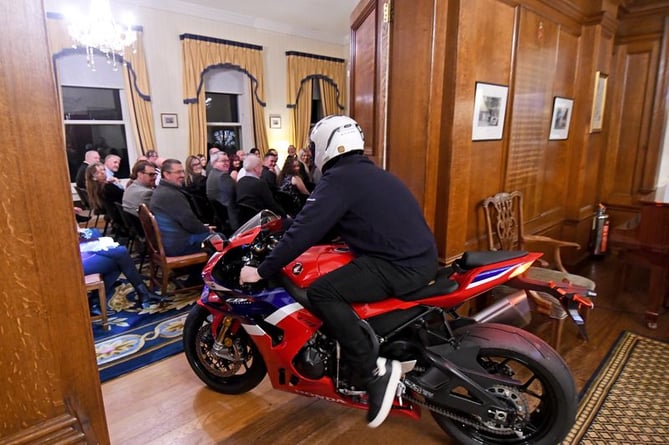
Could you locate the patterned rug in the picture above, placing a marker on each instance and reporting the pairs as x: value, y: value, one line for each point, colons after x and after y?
x: 626, y: 400
x: 138, y: 337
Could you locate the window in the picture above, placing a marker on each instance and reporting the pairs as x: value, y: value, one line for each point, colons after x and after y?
x: 93, y: 120
x: 223, y: 126
x: 316, y: 106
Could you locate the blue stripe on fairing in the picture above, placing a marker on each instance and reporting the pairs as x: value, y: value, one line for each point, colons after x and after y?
x: 489, y: 275
x: 272, y: 304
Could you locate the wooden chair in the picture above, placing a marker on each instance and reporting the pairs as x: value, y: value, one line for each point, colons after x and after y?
x: 505, y: 231
x: 157, y: 257
x: 95, y: 282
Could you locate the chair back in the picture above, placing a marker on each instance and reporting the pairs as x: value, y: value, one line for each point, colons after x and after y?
x: 134, y: 223
x: 83, y: 196
x: 118, y: 218
x: 221, y: 219
x: 153, y: 239
x: 504, y: 221
x: 246, y: 212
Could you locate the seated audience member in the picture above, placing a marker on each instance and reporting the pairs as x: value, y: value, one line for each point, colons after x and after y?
x: 110, y: 261
x: 101, y: 190
x: 254, y: 151
x: 158, y: 163
x: 140, y: 190
x: 181, y: 230
x: 91, y: 157
x: 268, y: 171
x: 235, y: 166
x: 291, y: 183
x: 112, y: 164
x: 275, y: 169
x: 221, y: 188
x: 152, y: 156
x: 308, y: 171
x: 212, y: 150
x: 203, y: 161
x: 195, y: 183
x: 253, y: 191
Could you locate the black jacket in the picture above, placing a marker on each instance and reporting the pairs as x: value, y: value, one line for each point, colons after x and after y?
x: 373, y: 212
x: 255, y: 193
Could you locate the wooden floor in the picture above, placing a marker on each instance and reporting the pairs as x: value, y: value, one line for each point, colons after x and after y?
x: 165, y: 403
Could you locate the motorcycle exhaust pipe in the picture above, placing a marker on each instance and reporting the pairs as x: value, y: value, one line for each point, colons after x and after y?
x: 512, y: 309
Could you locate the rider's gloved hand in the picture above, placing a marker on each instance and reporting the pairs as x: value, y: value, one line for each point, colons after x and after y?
x: 249, y: 274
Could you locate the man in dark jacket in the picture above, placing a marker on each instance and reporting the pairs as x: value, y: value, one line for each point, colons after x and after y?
x: 253, y: 191
x: 222, y: 188
x: 181, y: 231
x: 380, y: 220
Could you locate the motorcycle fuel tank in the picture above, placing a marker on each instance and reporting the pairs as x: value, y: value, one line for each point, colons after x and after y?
x: 316, y: 262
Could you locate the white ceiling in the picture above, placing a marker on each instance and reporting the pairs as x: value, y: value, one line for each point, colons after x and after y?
x: 326, y: 20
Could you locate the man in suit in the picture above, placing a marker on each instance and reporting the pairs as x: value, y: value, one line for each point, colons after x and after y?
x: 182, y: 232
x: 141, y: 189
x: 253, y: 191
x: 91, y: 157
x: 268, y: 173
x: 222, y: 188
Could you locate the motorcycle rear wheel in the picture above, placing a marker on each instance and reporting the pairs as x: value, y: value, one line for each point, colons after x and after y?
x: 237, y: 369
x: 545, y: 389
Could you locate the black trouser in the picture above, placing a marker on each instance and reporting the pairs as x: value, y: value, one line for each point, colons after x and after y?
x: 363, y: 280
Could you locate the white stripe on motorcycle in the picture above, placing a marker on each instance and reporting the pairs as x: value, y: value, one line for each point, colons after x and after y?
x: 254, y: 329
x: 282, y: 313
x: 484, y: 281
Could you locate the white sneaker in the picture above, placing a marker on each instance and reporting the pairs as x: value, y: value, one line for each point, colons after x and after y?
x: 381, y: 390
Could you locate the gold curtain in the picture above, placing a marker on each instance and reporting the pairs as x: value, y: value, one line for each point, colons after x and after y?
x: 202, y: 53
x: 329, y: 98
x: 135, y: 76
x: 302, y: 70
x: 259, y: 129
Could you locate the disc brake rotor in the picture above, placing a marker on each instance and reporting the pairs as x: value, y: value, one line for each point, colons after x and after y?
x: 222, y: 363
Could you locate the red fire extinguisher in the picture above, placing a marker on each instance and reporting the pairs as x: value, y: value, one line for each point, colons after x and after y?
x: 600, y: 231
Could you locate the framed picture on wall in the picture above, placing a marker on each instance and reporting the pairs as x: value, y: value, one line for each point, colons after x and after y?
x: 275, y: 121
x: 169, y: 120
x: 598, y: 102
x: 560, y: 119
x: 489, y: 111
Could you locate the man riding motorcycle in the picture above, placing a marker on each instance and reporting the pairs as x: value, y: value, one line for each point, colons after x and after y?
x: 380, y: 220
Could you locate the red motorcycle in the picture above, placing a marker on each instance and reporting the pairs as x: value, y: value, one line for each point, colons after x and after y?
x: 483, y: 382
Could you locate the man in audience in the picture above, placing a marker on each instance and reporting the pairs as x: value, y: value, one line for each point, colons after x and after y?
x: 141, y: 189
x: 112, y: 164
x: 253, y: 191
x: 212, y: 151
x: 182, y: 232
x: 268, y: 171
x: 91, y: 157
x: 221, y: 188
x: 309, y: 173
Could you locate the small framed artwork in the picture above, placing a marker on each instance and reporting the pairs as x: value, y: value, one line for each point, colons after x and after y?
x: 169, y: 120
x: 560, y: 119
x: 275, y: 121
x: 598, y: 102
x: 489, y: 111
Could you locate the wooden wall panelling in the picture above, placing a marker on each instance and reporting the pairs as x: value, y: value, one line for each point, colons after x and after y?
x: 47, y: 362
x: 364, y: 96
x: 532, y: 109
x: 477, y: 168
x: 634, y: 78
x: 409, y: 94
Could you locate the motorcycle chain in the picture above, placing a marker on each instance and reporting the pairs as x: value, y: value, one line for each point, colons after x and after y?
x: 454, y: 416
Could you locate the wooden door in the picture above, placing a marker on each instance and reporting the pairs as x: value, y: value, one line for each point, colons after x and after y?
x: 48, y: 373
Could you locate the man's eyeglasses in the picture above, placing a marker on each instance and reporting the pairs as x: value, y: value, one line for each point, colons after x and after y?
x: 175, y: 171
x: 150, y: 174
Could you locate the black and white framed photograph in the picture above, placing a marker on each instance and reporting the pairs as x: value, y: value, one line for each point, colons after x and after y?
x: 275, y: 121
x: 560, y: 119
x: 489, y: 111
x: 169, y: 120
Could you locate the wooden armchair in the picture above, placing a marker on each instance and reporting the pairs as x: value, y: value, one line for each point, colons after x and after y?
x: 157, y: 257
x: 504, y: 224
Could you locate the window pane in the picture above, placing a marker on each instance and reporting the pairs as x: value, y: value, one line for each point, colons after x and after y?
x: 221, y: 107
x: 226, y: 137
x: 106, y: 139
x: 81, y: 103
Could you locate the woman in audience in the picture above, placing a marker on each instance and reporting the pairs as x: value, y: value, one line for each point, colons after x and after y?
x: 101, y: 193
x: 110, y: 260
x: 235, y: 166
x: 291, y: 183
x: 195, y: 183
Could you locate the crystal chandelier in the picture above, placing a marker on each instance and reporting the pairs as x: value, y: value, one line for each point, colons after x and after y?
x: 100, y: 31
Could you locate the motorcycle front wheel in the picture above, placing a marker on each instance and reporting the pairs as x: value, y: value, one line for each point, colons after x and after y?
x: 233, y: 368
x: 543, y: 395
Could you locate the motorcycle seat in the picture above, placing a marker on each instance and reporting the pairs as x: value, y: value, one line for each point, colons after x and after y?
x: 441, y: 285
x: 471, y: 260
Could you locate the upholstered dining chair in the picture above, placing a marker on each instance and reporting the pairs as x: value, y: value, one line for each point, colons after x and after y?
x: 158, y: 260
x: 505, y: 231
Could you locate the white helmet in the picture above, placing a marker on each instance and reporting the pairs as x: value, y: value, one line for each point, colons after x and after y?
x: 334, y: 136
